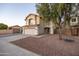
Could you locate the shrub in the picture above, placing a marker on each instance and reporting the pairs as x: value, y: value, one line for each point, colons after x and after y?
x: 3, y: 26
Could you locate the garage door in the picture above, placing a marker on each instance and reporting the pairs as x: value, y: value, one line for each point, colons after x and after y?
x: 31, y: 31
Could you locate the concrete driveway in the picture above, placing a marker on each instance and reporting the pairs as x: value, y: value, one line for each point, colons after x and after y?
x: 8, y: 49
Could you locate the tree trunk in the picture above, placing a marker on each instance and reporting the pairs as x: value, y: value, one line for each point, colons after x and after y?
x: 60, y: 33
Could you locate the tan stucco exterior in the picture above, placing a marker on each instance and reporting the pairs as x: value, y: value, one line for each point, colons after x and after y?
x: 35, y: 19
x: 34, y: 25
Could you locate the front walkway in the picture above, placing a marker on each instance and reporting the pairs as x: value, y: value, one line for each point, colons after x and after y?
x: 8, y: 49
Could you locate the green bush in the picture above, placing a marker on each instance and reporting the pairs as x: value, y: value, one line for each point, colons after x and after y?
x: 3, y: 26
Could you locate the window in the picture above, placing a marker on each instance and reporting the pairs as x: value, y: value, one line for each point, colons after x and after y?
x: 31, y: 21
x: 73, y: 20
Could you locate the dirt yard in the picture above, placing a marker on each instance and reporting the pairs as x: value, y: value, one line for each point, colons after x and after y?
x: 50, y: 45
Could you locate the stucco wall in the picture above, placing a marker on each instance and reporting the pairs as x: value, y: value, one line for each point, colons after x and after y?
x: 34, y: 19
x: 40, y: 30
x: 6, y: 32
x: 31, y: 17
x: 38, y: 20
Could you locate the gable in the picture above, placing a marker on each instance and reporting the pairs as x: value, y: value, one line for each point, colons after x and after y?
x: 31, y: 15
x: 32, y: 19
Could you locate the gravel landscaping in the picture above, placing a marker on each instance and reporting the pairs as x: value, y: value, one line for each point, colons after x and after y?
x: 49, y: 45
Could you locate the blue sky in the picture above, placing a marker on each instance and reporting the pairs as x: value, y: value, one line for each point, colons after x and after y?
x: 14, y: 14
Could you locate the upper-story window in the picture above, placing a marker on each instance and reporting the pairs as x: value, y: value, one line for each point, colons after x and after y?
x: 31, y: 22
x: 74, y: 20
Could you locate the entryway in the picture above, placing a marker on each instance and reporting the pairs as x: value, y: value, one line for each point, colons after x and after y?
x: 47, y: 30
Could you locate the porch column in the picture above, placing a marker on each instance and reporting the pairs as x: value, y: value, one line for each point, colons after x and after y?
x: 51, y: 28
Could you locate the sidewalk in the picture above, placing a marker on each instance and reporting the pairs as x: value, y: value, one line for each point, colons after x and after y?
x: 8, y: 49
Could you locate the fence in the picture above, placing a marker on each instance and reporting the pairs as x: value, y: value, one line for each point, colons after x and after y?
x: 6, y: 32
x: 67, y: 32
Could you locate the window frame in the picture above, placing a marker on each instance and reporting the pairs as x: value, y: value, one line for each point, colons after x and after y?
x: 74, y: 19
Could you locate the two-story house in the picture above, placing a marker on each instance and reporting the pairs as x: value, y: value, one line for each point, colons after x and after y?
x: 35, y: 25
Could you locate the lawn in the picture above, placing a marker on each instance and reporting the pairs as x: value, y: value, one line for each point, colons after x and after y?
x: 49, y: 45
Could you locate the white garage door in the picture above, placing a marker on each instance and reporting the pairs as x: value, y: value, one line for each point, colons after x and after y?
x: 31, y: 31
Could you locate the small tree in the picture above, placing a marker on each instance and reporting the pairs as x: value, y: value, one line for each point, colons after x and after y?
x: 3, y: 26
x: 58, y: 13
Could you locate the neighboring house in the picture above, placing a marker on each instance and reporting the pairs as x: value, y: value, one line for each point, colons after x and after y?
x: 75, y: 25
x: 75, y: 15
x: 74, y: 22
x: 16, y: 28
x: 35, y: 25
